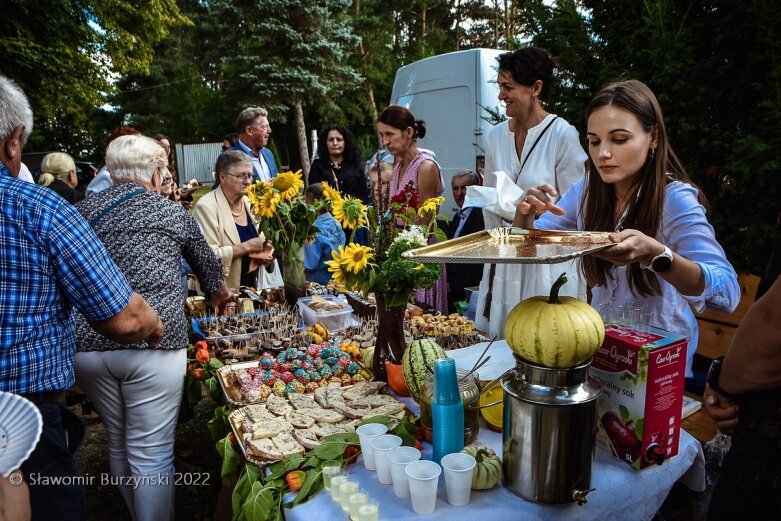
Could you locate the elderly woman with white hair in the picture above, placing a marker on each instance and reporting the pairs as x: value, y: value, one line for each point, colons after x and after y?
x: 135, y: 389
x: 63, y: 168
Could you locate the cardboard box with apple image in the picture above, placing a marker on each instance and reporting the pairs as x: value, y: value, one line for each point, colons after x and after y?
x: 642, y: 372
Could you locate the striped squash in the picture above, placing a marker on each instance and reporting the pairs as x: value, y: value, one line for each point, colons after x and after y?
x: 417, y: 355
x: 488, y: 469
x: 554, y: 331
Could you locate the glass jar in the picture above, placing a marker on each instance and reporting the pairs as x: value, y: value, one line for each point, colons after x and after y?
x: 470, y: 392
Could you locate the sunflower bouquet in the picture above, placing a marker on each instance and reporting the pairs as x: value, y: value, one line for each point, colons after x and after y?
x: 285, y: 218
x: 395, y: 226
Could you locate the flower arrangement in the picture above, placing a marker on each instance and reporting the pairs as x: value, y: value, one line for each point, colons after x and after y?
x: 285, y: 218
x: 394, y: 227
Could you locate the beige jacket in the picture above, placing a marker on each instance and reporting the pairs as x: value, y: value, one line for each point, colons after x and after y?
x: 213, y: 214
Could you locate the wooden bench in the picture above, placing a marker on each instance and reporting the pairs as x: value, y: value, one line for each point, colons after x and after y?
x: 716, y: 331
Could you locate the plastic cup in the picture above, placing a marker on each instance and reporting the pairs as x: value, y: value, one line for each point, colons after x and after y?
x: 399, y: 458
x: 380, y: 447
x: 347, y: 489
x: 330, y: 469
x: 355, y: 501
x: 423, y: 476
x: 370, y: 511
x: 366, y: 433
x: 336, y: 482
x: 458, y: 469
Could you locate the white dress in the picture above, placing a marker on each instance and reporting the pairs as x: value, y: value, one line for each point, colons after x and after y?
x: 559, y: 160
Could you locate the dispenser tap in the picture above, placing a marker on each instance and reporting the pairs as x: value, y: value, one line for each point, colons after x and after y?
x: 580, y: 495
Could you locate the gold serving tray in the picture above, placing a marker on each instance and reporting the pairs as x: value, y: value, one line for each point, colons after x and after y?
x: 512, y: 246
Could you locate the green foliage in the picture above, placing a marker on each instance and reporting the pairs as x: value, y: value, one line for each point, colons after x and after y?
x: 64, y: 53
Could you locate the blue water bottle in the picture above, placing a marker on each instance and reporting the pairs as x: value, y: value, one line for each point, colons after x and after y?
x: 447, y: 410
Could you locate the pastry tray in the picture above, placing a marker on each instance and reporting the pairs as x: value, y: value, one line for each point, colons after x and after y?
x: 222, y: 377
x: 237, y: 415
x: 513, y: 246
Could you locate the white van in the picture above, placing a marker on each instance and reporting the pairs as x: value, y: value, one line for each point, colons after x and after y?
x: 450, y: 93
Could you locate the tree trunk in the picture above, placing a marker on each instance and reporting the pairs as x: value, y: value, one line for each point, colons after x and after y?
x: 369, y: 90
x: 303, y: 146
x: 390, y: 344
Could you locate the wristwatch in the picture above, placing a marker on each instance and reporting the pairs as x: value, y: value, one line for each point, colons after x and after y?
x: 661, y: 262
x: 713, y: 378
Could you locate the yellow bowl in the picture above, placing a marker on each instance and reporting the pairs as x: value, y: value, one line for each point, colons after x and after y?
x: 493, y: 415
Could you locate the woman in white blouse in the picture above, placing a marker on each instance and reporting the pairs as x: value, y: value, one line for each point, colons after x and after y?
x: 532, y: 147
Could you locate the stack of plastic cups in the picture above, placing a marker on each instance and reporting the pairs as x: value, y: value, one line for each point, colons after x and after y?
x: 447, y: 410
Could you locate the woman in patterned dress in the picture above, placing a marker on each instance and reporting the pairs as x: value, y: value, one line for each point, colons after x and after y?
x: 137, y: 390
x: 399, y: 131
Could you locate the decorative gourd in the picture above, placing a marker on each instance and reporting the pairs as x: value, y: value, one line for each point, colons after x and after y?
x: 416, y: 357
x: 368, y: 357
x: 554, y: 331
x: 488, y: 470
x: 396, y: 380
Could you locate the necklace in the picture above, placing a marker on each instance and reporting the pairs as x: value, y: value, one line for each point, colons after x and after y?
x: 239, y: 212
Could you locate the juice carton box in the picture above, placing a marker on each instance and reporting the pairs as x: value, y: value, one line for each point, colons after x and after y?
x: 642, y: 374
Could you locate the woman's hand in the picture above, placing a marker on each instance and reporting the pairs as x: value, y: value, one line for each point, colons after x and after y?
x: 630, y: 246
x: 221, y: 297
x: 536, y: 202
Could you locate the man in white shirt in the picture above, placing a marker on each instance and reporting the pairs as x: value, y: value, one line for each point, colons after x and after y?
x: 254, y: 132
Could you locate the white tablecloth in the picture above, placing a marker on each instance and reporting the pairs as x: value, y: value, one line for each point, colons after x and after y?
x: 622, y: 493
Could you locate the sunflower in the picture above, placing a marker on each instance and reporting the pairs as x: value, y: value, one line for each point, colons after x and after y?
x: 430, y: 206
x: 350, y: 212
x: 288, y: 185
x: 356, y: 257
x: 331, y: 194
x: 336, y: 266
x: 266, y: 205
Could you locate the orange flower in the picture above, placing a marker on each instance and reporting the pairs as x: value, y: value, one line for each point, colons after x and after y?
x: 202, y: 355
x: 295, y: 478
x: 198, y: 373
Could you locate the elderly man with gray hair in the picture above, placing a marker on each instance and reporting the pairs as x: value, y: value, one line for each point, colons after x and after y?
x: 254, y: 131
x: 50, y: 262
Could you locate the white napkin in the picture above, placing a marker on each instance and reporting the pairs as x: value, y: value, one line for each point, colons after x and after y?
x: 500, y: 199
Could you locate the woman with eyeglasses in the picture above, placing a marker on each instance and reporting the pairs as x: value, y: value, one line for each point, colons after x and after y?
x: 229, y: 226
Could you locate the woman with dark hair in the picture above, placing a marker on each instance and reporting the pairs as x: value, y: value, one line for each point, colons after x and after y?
x: 399, y: 131
x: 337, y: 163
x: 666, y: 256
x: 532, y: 147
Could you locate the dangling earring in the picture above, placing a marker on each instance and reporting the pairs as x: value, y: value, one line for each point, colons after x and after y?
x: 652, y: 153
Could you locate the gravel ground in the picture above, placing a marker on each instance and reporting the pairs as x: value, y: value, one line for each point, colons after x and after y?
x: 195, y: 456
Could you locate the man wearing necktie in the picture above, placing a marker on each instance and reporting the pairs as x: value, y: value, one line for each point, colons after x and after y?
x: 464, y: 222
x: 254, y: 131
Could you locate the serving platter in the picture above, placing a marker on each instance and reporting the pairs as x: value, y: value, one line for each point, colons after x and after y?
x: 271, y: 431
x: 513, y: 246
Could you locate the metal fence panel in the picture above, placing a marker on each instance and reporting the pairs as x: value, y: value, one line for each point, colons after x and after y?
x: 196, y: 161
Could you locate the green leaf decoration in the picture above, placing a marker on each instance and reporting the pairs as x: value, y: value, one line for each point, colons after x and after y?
x: 624, y: 413
x: 219, y: 426
x: 230, y: 459
x: 281, y: 468
x: 313, y: 483
x: 260, y: 503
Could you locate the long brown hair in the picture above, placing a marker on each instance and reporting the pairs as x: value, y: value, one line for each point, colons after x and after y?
x: 646, y: 200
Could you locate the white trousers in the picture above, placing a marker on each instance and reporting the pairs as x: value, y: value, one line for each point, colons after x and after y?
x: 137, y: 394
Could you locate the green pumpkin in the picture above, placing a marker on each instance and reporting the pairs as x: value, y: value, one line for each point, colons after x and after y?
x: 488, y: 469
x: 554, y: 331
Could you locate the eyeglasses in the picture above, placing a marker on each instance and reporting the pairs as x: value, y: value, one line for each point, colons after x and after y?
x: 246, y: 176
x: 167, y: 179
x: 225, y: 148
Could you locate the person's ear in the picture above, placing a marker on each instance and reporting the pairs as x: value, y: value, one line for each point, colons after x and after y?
x: 655, y: 137
x: 12, y: 147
